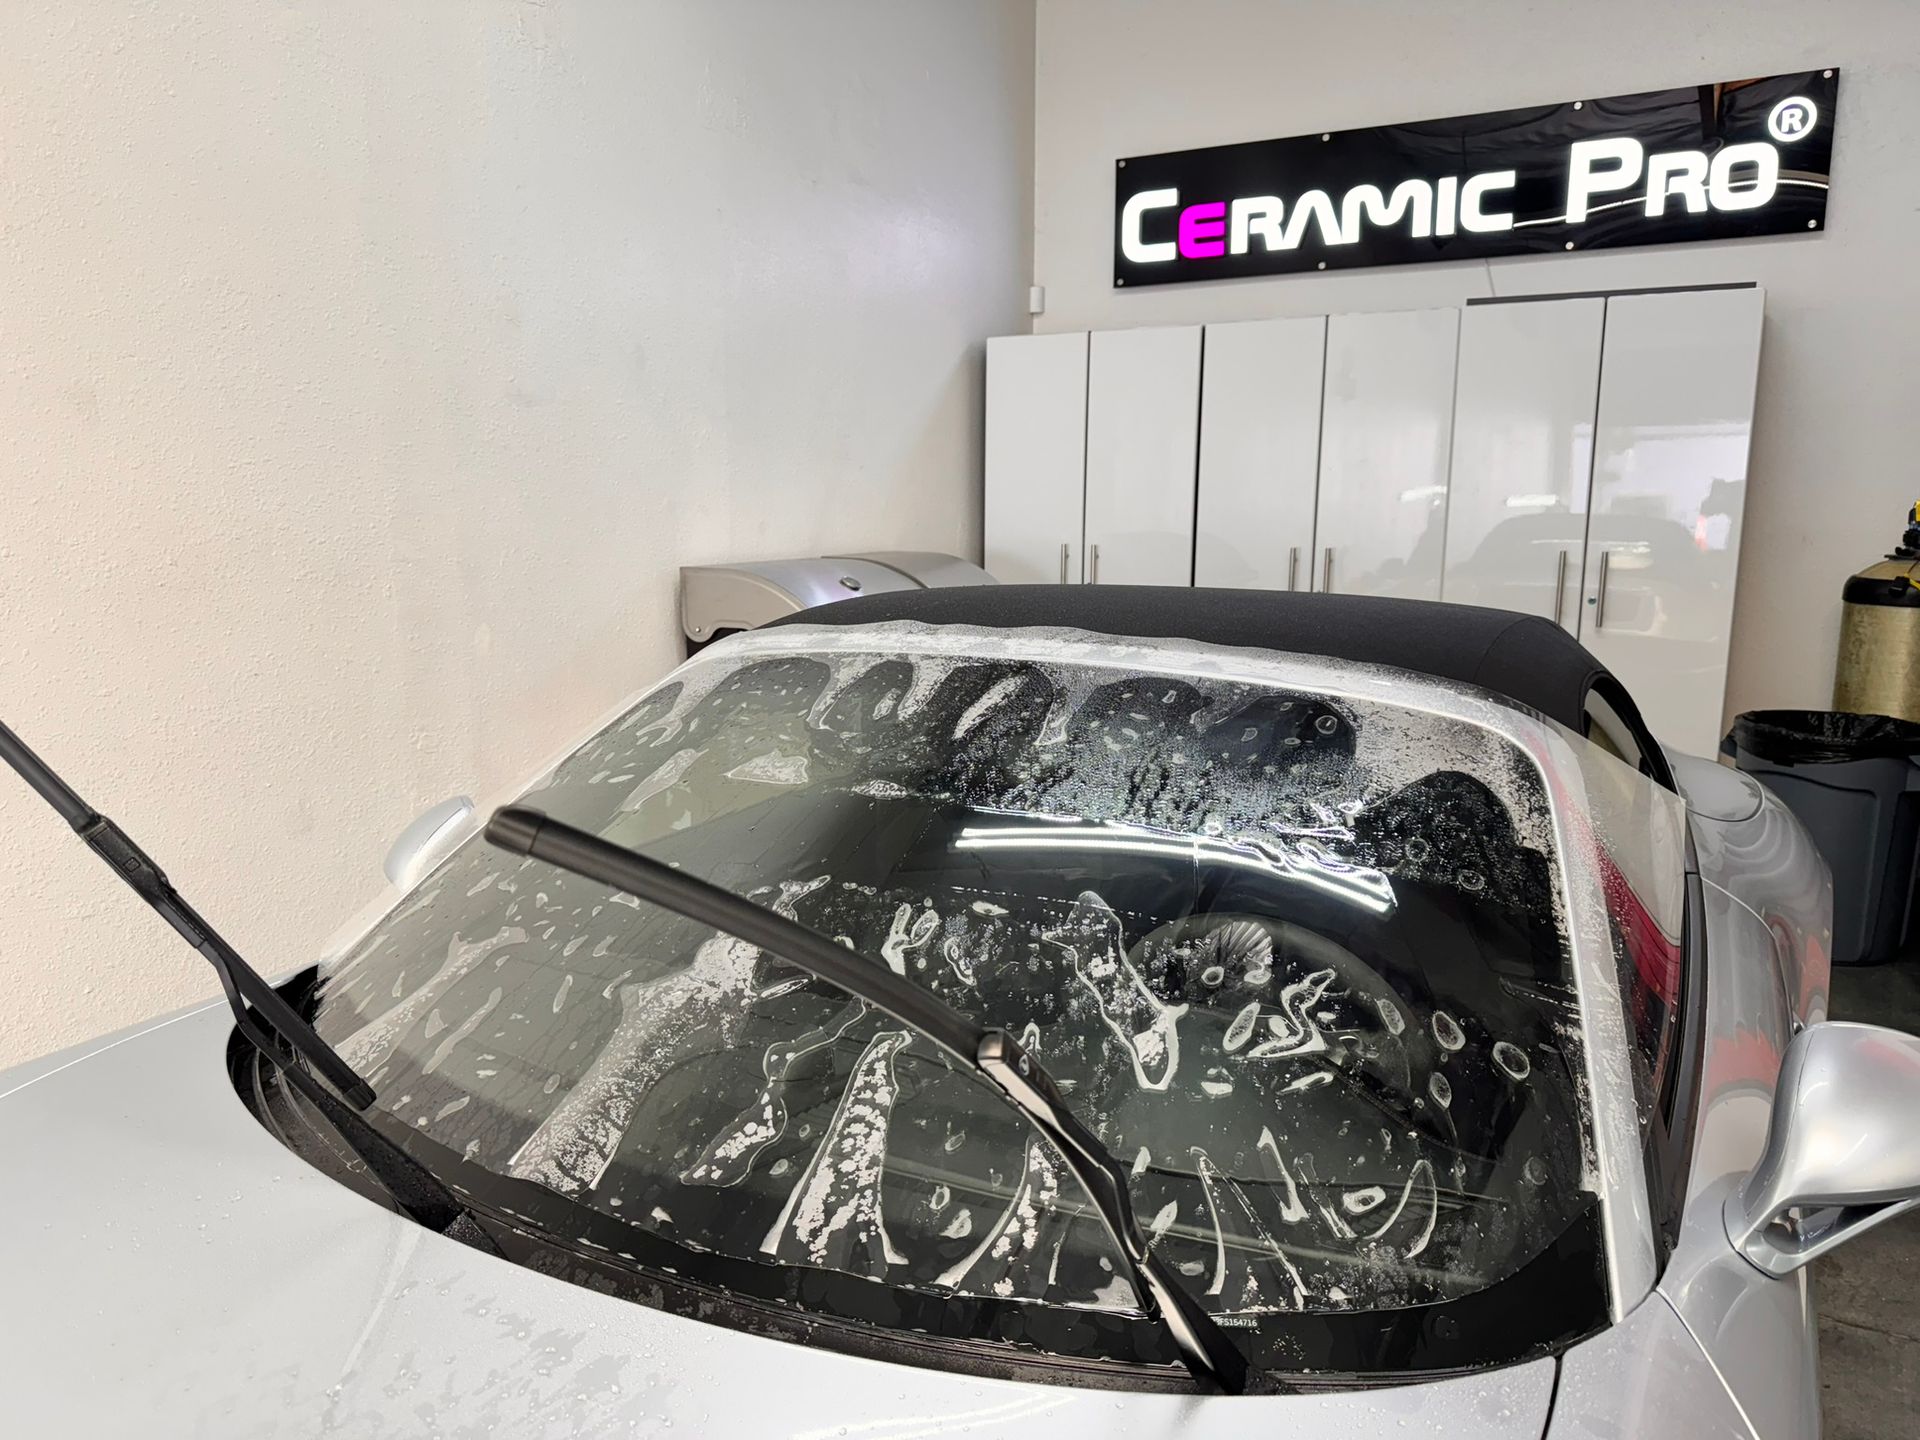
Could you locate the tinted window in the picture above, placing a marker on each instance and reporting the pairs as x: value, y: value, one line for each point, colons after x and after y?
x: 1297, y: 960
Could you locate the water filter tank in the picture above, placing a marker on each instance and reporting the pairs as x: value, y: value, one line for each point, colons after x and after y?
x: 1878, y: 672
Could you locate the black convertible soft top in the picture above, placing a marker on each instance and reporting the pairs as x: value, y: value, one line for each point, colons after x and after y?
x: 1524, y: 658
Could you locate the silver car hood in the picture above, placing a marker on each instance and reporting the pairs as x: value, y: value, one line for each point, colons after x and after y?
x: 170, y: 1269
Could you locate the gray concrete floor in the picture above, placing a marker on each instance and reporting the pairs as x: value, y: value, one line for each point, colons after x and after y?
x: 1868, y: 1291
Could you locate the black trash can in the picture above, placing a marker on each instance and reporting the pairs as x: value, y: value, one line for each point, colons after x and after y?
x: 1854, y: 782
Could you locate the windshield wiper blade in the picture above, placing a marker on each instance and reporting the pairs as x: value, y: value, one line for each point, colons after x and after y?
x: 271, y: 1025
x: 1215, y: 1362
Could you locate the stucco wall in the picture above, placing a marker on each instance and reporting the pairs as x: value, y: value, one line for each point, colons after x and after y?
x: 370, y: 368
x: 1833, y: 468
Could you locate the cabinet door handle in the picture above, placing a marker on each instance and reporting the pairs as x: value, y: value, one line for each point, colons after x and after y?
x: 1600, y: 594
x: 1063, y: 562
x: 1293, y: 567
x: 1326, y: 571
x: 1559, y: 586
x: 1093, y: 564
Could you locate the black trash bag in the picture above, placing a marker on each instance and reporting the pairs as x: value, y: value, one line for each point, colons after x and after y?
x: 1822, y: 737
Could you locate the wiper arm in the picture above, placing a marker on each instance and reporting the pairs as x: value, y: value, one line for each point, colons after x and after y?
x: 272, y: 1026
x: 993, y: 1054
x: 240, y: 980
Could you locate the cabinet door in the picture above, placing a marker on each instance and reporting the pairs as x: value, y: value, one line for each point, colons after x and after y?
x: 1143, y: 419
x: 1669, y: 489
x: 1036, y: 457
x: 1385, y: 437
x: 1523, y: 456
x: 1259, y: 453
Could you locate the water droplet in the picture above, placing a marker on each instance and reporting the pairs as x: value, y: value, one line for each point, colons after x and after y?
x: 1512, y: 1059
x: 1242, y: 1027
x: 1359, y: 1202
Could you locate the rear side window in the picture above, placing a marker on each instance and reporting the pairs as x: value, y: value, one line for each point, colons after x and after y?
x: 1638, y: 851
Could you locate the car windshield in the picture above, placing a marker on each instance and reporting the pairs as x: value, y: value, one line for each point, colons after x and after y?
x: 1299, y: 958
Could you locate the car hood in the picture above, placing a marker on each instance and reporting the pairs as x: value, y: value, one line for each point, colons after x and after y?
x: 172, y: 1270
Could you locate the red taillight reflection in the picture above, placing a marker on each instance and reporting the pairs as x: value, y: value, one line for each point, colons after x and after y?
x: 1655, y: 954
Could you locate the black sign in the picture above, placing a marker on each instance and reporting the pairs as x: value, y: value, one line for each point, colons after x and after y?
x: 1715, y: 162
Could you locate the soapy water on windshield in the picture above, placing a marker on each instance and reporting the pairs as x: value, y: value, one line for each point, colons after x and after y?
x: 1127, y: 1015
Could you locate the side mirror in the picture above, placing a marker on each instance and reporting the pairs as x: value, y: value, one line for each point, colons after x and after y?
x: 1843, y: 1146
x: 433, y: 835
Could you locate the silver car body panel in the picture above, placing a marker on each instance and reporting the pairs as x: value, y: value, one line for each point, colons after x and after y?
x: 185, y: 1275
x: 1716, y: 792
x: 1769, y: 904
x: 1645, y: 1377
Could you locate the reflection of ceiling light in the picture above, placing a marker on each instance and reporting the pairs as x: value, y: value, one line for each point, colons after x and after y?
x: 1520, y: 502
x: 1422, y: 492
x: 1370, y: 889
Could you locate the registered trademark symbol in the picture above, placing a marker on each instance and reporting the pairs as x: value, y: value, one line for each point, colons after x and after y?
x: 1792, y: 118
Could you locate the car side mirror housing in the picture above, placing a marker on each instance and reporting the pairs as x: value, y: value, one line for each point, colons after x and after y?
x: 1843, y: 1146
x: 433, y: 835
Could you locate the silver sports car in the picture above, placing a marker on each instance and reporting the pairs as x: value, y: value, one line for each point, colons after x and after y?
x: 999, y: 1012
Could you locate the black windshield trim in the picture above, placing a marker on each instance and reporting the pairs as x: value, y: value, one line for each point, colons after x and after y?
x: 1671, y: 1137
x: 1555, y: 1300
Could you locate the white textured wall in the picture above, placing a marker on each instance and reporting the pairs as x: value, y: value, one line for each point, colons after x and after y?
x: 369, y: 368
x: 1834, y: 452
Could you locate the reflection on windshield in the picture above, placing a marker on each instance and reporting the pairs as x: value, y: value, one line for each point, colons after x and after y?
x: 1297, y: 959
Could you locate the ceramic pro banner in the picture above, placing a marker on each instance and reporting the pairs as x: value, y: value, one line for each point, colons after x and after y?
x: 1711, y: 162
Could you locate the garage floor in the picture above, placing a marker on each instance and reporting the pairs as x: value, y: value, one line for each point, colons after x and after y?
x: 1868, y: 1291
